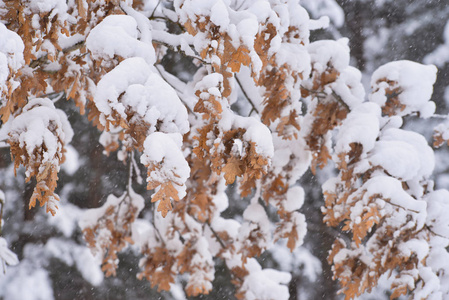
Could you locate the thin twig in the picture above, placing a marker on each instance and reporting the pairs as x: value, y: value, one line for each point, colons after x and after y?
x: 220, y: 241
x: 179, y: 50
x: 76, y: 46
x: 158, y: 233
x: 154, y: 10
x: 397, y: 205
x: 246, y: 95
x: 319, y: 95
x: 336, y: 96
x: 434, y: 233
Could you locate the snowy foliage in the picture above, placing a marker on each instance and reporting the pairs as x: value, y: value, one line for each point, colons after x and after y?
x: 307, y: 107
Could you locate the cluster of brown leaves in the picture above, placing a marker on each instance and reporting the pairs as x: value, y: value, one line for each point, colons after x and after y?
x: 158, y: 267
x: 34, y: 81
x: 277, y: 98
x: 34, y: 78
x: 393, y: 105
x: 217, y: 147
x: 200, y: 192
x: 161, y: 265
x: 352, y: 271
x: 221, y: 46
x: 116, y: 221
x: 46, y: 174
x: 343, y: 189
x: 188, y: 265
x: 166, y: 191
x: 357, y: 277
x: 249, y: 164
x: 275, y: 189
x: 438, y: 139
x: 329, y: 112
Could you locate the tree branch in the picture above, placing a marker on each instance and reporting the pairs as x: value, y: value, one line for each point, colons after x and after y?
x: 336, y: 96
x: 179, y: 50
x: 220, y: 241
x: 246, y: 96
x: 154, y: 10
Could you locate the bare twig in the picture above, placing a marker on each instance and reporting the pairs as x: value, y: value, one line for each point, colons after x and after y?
x: 178, y: 49
x: 336, y: 96
x: 220, y: 241
x: 434, y: 233
x: 154, y: 10
x: 246, y: 96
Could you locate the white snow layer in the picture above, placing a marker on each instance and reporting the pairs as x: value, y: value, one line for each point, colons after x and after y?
x: 118, y: 35
x: 134, y: 86
x: 11, y: 55
x: 26, y: 283
x: 7, y: 257
x: 265, y: 284
x: 361, y: 126
x: 165, y: 150
x: 415, y: 82
x: 75, y: 255
x: 41, y: 124
x: 43, y: 6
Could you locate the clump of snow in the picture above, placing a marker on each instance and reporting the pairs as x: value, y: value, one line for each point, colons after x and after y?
x: 75, y: 255
x: 296, y: 57
x: 66, y: 219
x: 426, y: 157
x: 165, y: 150
x: 414, y: 81
x: 202, y: 271
x: 329, y: 8
x: 11, y: 55
x: 118, y: 35
x: 300, y: 260
x: 349, y: 88
x: 397, y: 158
x: 390, y: 188
x: 134, y: 86
x: 265, y: 284
x: 7, y: 257
x: 294, y: 199
x: 321, y: 23
x: 71, y: 163
x: 256, y: 132
x: 437, y: 210
x: 329, y: 55
x: 11, y: 46
x: 210, y: 83
x: 255, y: 219
x: 91, y: 217
x: 325, y: 52
x: 360, y: 126
x: 45, y: 6
x: 26, y: 282
x: 41, y: 125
